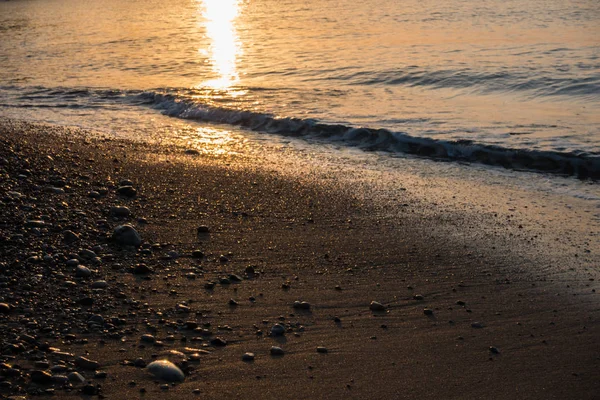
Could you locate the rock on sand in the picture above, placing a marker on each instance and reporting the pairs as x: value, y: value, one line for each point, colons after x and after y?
x: 166, y: 370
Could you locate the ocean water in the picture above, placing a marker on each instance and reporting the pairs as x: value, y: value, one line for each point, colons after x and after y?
x: 514, y: 83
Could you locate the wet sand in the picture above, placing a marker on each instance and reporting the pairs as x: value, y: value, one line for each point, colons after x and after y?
x: 473, y: 307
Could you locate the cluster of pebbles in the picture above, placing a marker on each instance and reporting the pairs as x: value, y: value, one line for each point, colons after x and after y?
x: 67, y: 240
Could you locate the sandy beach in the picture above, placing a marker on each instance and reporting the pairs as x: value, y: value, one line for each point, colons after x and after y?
x: 480, y: 291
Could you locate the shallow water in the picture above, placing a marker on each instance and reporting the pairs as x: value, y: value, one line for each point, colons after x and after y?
x: 475, y: 79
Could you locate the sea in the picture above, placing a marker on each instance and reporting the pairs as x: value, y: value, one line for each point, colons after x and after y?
x: 511, y: 84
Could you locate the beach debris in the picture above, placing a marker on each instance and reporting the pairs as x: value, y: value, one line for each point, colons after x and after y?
x: 377, y: 306
x: 166, y: 371
x: 126, y: 235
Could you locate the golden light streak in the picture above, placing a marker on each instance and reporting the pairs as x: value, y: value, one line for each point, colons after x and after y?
x: 219, y: 19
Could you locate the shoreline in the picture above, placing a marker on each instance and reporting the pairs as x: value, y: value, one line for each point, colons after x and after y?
x: 304, y: 235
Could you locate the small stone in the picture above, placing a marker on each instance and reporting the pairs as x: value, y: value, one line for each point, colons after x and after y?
x: 278, y: 330
x: 427, y: 311
x: 75, y: 377
x: 73, y: 262
x: 197, y: 254
x: 301, y: 305
x: 89, y: 390
x: 82, y: 272
x: 248, y: 357
x: 460, y: 303
x: 232, y: 302
x: 140, y: 363
x: 166, y: 370
x: 142, y: 269
x: 100, y: 284
x: 86, y: 301
x: 4, y: 308
x: 418, y: 297
x: 127, y: 191
x: 277, y: 351
x: 42, y: 377
x: 126, y: 235
x: 219, y: 342
x: 477, y: 325
x: 120, y: 212
x: 322, y: 349
x: 494, y: 350
x: 86, y: 363
x: 203, y: 229
x: 100, y: 375
x: 147, y: 338
x: 70, y: 237
x: 376, y: 306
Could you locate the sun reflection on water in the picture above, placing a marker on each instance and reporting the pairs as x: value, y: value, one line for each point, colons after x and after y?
x: 219, y: 21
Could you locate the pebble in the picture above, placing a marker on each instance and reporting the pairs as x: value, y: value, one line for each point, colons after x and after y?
x: 477, y: 325
x: 219, y: 342
x: 301, y: 305
x: 4, y: 308
x: 141, y: 269
x: 277, y: 351
x: 166, y: 370
x: 70, y: 237
x: 322, y: 349
x: 73, y: 262
x: 427, y: 311
x: 76, y: 377
x: 42, y: 377
x: 127, y: 191
x: 147, y: 338
x: 278, y: 330
x: 197, y: 254
x: 120, y: 212
x: 494, y: 350
x: 99, y: 284
x: 89, y: 390
x: 248, y: 357
x: 126, y: 235
x: 376, y: 306
x: 82, y: 272
x: 418, y: 297
x: 86, y: 363
x: 203, y: 229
